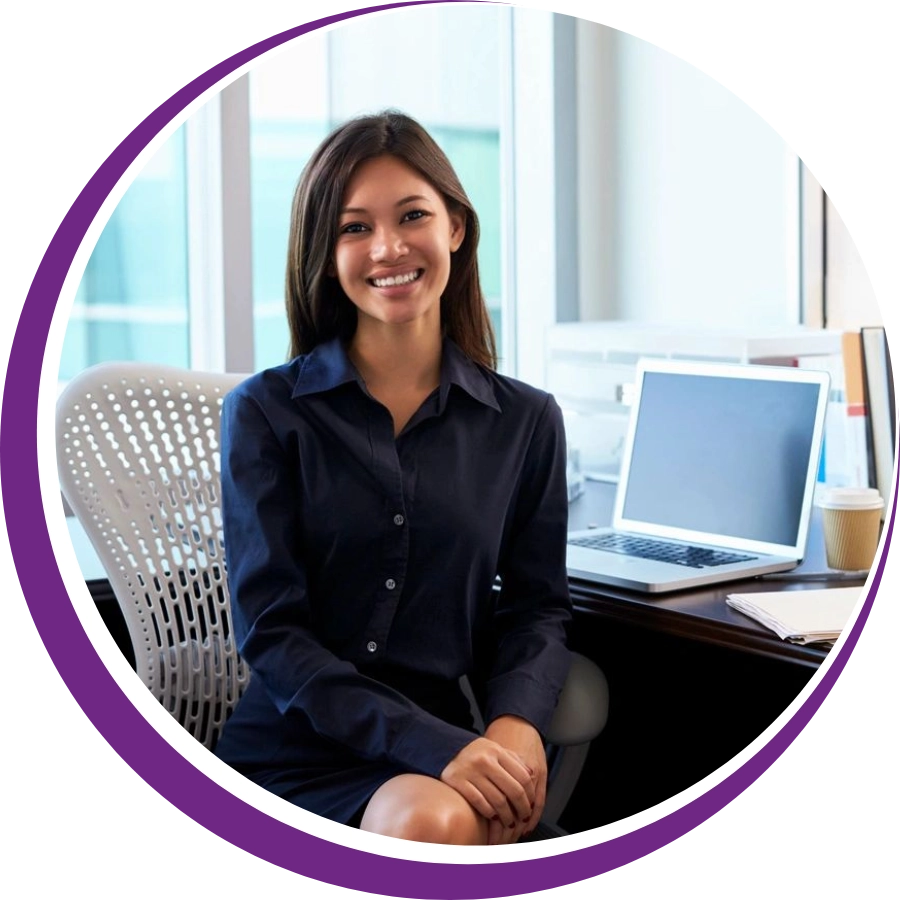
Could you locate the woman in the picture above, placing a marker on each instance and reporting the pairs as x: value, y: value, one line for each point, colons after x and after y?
x: 374, y: 487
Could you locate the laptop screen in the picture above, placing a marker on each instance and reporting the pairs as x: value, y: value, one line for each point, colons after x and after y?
x: 724, y: 454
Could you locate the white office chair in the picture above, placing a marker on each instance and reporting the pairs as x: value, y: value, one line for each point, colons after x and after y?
x: 139, y: 464
x: 138, y: 461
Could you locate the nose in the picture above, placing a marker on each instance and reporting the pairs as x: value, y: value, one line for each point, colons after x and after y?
x: 387, y: 244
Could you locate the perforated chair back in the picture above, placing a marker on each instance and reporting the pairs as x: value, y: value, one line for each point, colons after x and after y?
x: 139, y: 464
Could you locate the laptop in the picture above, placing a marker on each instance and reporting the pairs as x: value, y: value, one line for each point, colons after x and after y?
x: 717, y: 479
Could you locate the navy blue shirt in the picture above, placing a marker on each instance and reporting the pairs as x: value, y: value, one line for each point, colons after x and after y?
x: 362, y: 566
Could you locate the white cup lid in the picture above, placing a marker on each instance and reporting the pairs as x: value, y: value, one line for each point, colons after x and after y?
x: 850, y: 498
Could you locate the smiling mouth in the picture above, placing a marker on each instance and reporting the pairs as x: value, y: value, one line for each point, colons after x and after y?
x: 395, y: 280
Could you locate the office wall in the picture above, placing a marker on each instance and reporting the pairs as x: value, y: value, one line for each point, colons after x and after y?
x: 464, y: 96
x: 849, y: 296
x: 689, y: 200
x: 837, y: 291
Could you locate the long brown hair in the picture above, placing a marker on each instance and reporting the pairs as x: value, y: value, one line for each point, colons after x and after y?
x: 317, y: 307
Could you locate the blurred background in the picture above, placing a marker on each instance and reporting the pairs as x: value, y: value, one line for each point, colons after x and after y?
x: 614, y: 183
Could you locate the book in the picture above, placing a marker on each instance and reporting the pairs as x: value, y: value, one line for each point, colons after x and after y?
x: 860, y: 464
x: 802, y: 617
x: 836, y: 462
x: 880, y: 402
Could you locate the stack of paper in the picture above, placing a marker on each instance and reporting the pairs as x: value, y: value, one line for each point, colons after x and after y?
x: 803, y: 617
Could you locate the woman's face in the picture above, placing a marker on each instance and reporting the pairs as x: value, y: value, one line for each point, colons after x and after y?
x: 395, y: 237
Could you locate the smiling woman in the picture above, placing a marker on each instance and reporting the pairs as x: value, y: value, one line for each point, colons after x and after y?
x: 389, y: 199
x: 361, y: 448
x: 395, y: 237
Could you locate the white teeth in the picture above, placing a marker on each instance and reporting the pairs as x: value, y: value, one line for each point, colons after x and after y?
x: 395, y: 280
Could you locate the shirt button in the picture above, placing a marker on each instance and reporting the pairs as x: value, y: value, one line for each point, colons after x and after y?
x: 390, y: 584
x: 371, y: 646
x: 398, y: 519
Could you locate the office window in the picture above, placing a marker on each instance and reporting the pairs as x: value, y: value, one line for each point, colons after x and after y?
x: 297, y: 97
x: 158, y: 263
x: 288, y: 118
x: 132, y: 302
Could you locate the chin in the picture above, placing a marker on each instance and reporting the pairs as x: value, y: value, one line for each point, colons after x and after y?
x: 402, y: 316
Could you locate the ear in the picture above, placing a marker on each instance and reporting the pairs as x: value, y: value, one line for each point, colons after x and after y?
x: 457, y: 231
x: 331, y: 271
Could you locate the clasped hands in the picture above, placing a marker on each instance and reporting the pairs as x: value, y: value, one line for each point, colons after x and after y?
x: 503, y: 776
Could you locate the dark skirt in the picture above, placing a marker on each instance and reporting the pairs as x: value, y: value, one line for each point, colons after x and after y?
x: 285, y: 755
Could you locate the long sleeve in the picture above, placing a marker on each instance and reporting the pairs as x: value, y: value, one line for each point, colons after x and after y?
x: 533, y: 608
x: 274, y: 618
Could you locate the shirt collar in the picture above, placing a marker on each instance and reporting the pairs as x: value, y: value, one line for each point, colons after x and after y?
x: 458, y: 369
x: 327, y: 366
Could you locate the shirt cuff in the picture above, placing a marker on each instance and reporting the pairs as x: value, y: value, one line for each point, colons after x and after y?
x: 428, y: 745
x: 518, y: 695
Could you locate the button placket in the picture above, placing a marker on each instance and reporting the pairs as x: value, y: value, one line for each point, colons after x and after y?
x: 395, y: 555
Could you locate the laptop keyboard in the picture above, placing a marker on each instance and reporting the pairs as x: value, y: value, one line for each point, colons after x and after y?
x: 662, y: 551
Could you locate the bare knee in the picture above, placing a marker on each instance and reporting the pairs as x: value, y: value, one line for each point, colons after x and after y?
x: 447, y: 823
x: 418, y: 808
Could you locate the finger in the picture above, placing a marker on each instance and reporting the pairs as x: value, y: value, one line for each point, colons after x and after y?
x: 519, y: 774
x: 483, y: 766
x: 504, y: 835
x: 525, y: 765
x: 540, y: 799
x: 539, y: 804
x: 485, y: 796
x: 474, y: 796
x: 495, y: 832
x: 521, y: 797
x: 512, y: 763
x: 501, y: 807
x: 515, y: 798
x: 515, y: 833
x: 532, y: 823
x: 508, y: 797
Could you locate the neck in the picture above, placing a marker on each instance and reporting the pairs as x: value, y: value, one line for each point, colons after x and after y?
x: 386, y: 357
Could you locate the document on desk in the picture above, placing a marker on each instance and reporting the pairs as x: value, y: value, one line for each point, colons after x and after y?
x: 802, y: 617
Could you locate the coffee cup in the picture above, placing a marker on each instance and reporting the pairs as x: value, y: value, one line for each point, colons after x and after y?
x: 851, y: 519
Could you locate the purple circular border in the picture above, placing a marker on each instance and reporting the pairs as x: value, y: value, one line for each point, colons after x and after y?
x: 151, y: 757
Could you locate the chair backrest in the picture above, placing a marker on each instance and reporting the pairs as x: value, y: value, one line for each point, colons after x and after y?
x: 139, y: 464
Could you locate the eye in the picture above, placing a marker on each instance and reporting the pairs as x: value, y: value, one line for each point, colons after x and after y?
x: 414, y: 214
x: 352, y: 228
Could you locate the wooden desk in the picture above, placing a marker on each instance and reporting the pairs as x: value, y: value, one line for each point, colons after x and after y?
x: 692, y: 681
x: 701, y: 614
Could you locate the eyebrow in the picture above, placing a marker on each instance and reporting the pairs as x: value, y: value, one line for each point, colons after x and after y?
x: 413, y: 198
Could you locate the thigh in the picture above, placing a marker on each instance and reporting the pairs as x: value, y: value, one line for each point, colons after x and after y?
x: 421, y: 808
x: 284, y: 755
